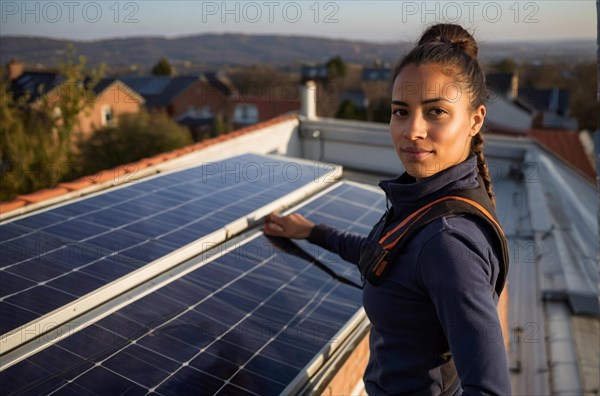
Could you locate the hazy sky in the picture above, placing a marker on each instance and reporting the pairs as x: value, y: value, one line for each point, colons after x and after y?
x: 364, y: 20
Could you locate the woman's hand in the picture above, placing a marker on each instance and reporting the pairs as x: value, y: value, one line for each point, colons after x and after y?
x: 293, y: 226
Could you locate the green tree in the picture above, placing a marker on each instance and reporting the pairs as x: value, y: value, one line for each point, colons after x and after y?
x: 36, y: 138
x: 336, y: 67
x: 382, y: 113
x: 584, y: 106
x: 29, y: 156
x: 505, y: 65
x: 137, y: 135
x: 162, y: 68
x: 348, y: 111
x: 220, y: 126
x: 75, y: 95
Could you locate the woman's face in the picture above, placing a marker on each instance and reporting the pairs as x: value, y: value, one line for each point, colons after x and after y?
x: 432, y: 123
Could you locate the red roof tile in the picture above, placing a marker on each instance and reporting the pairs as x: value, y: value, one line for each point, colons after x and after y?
x: 43, y: 195
x: 141, y: 164
x: 12, y: 205
x: 101, y: 177
x: 76, y: 184
x: 565, y: 144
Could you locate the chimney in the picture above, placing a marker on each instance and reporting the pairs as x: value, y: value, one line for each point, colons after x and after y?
x: 308, y: 105
x: 14, y: 69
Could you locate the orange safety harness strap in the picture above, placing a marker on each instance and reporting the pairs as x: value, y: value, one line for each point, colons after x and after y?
x: 376, y: 259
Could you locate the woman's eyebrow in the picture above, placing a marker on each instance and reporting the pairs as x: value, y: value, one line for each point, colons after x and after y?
x: 426, y: 101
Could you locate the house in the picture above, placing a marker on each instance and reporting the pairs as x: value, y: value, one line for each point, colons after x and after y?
x: 111, y: 98
x: 317, y: 73
x: 551, y: 105
x: 503, y: 84
x: 376, y: 74
x: 194, y: 101
x: 249, y: 110
x: 514, y: 107
x: 195, y: 300
x: 504, y: 110
x: 357, y: 97
x: 376, y: 83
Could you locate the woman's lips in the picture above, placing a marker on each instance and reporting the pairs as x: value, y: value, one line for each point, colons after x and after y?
x: 415, y: 153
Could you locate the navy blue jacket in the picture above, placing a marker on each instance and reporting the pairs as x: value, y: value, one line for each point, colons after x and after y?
x: 438, y: 296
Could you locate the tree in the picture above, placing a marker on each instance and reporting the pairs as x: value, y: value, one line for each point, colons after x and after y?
x: 505, y: 65
x: 336, y: 67
x: 36, y: 138
x: 382, y: 112
x: 584, y: 106
x: 137, y: 135
x: 348, y: 111
x: 162, y: 68
x: 75, y: 94
x: 220, y: 126
x: 29, y: 155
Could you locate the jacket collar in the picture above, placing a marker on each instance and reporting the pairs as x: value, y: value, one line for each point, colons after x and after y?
x: 407, y: 194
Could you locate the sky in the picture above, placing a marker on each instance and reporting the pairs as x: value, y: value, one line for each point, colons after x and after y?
x: 376, y: 21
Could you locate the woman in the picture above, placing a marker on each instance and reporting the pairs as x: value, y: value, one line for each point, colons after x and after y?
x: 435, y: 328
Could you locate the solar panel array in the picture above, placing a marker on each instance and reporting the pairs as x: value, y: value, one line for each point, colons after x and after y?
x: 245, y: 321
x: 54, y: 257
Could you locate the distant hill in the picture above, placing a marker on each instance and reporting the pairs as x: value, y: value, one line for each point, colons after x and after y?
x: 240, y: 49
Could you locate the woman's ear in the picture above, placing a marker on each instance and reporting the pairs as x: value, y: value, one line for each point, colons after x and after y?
x: 477, y: 119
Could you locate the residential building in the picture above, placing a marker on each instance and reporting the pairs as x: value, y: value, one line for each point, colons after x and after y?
x: 248, y: 111
x: 504, y: 110
x: 317, y: 73
x: 111, y: 98
x: 517, y: 108
x: 194, y: 101
x: 552, y: 107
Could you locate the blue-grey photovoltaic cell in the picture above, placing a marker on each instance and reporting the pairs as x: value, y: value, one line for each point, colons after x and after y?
x: 59, y: 255
x: 246, y: 323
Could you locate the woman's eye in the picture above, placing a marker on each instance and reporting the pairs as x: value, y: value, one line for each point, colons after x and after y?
x: 400, y: 112
x: 437, y: 111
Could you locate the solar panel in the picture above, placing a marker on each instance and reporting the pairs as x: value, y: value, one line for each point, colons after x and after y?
x: 62, y: 255
x: 249, y: 319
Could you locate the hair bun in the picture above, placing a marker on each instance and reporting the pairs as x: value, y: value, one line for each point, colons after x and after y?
x: 451, y: 34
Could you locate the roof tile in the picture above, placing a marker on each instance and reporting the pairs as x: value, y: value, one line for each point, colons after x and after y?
x: 12, y: 205
x: 77, y: 184
x: 141, y: 164
x: 156, y: 159
x: 566, y: 144
x: 102, y: 176
x: 169, y: 155
x: 43, y: 195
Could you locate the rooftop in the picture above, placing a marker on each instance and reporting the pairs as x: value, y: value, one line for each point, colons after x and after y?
x: 154, y: 276
x: 34, y: 85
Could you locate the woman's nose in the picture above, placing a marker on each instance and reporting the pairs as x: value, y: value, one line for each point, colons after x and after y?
x: 415, y: 128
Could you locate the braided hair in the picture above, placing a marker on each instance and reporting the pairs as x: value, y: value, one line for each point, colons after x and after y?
x: 455, y: 50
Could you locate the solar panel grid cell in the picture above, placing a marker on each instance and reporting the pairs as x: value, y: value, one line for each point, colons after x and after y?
x: 247, y: 322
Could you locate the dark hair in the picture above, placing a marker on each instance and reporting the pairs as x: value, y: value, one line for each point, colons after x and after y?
x: 455, y: 50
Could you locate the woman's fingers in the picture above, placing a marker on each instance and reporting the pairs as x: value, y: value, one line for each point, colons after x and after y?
x: 290, y: 226
x: 271, y: 227
x: 274, y: 227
